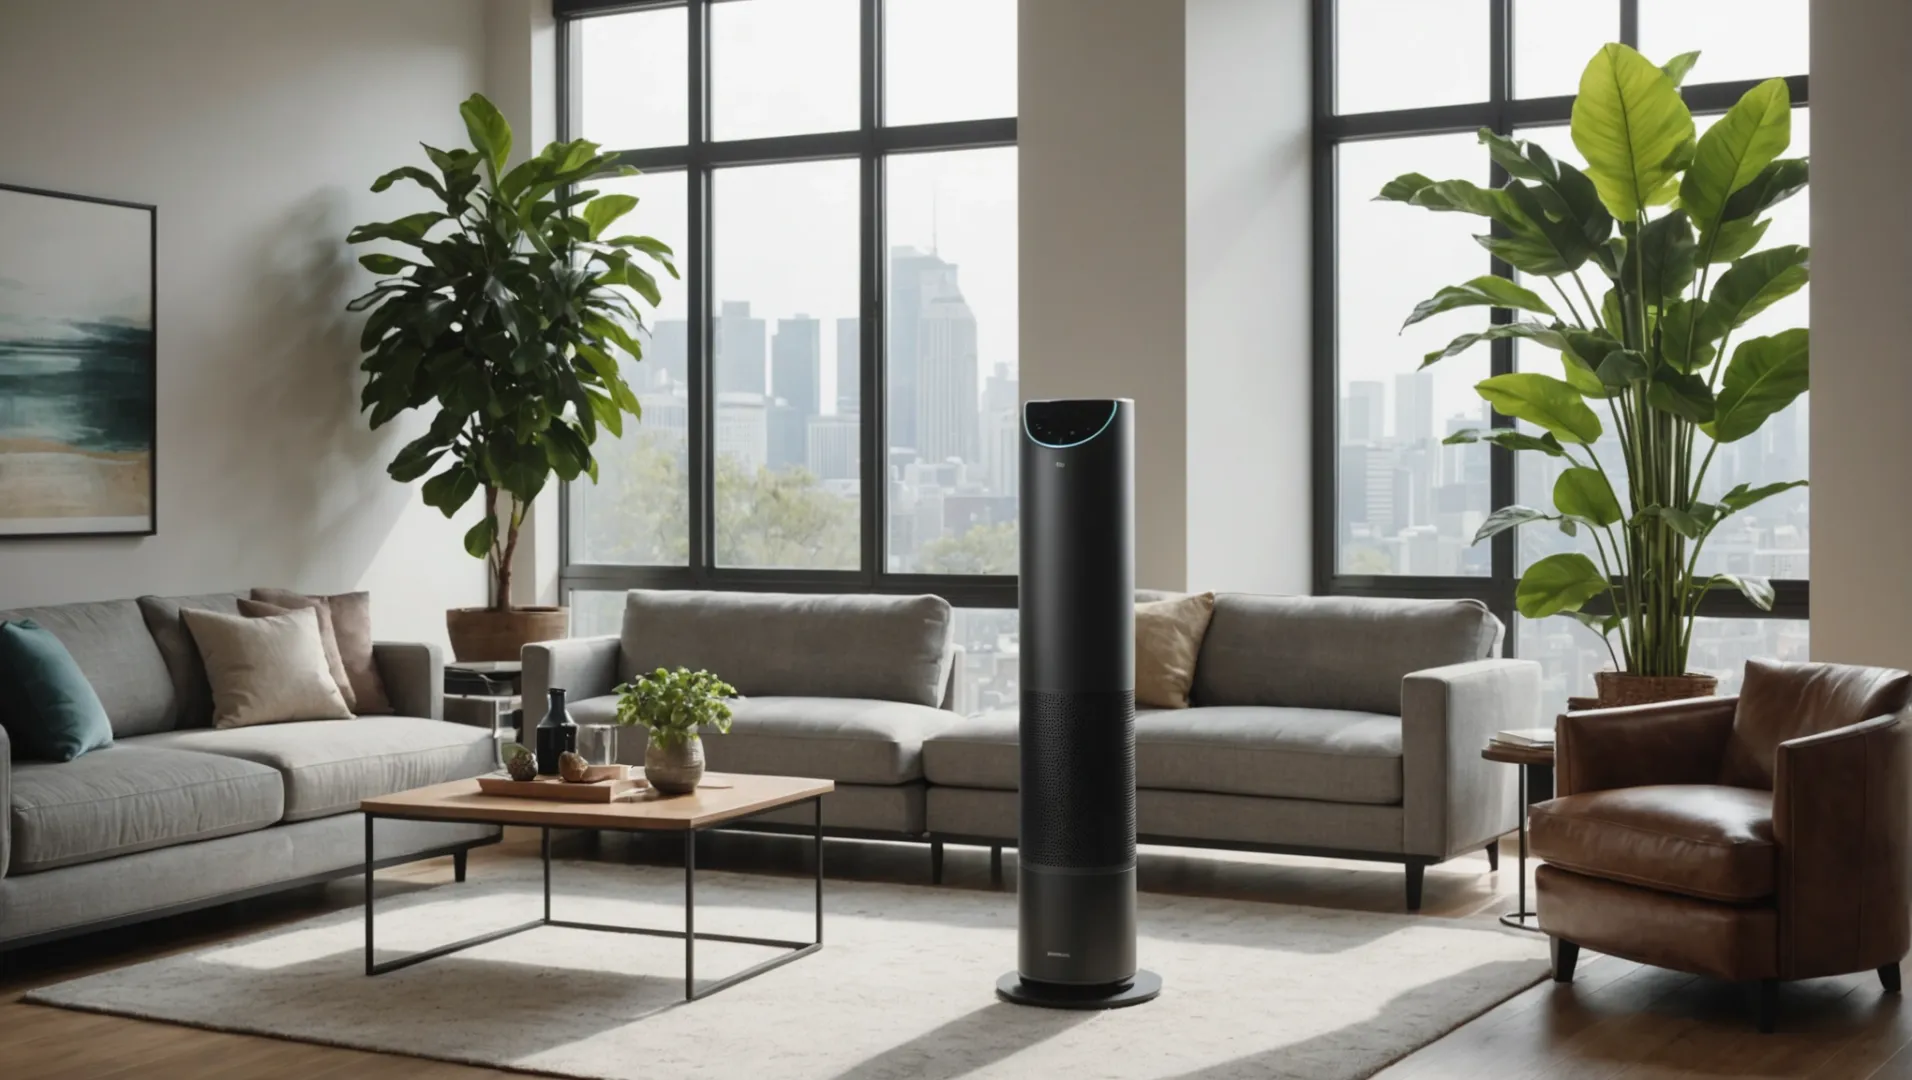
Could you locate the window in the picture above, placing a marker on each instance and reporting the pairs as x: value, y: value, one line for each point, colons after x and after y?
x: 1398, y: 510
x: 829, y: 394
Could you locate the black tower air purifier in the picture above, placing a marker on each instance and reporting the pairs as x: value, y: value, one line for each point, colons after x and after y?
x: 1076, y: 877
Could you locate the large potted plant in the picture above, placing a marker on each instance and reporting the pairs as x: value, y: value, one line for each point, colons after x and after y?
x: 1668, y: 224
x: 511, y: 317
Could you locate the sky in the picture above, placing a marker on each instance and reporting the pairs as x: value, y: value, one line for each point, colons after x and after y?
x: 64, y: 259
x: 785, y: 237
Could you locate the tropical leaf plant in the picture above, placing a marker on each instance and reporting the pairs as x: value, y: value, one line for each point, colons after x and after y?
x: 1670, y: 221
x: 511, y: 310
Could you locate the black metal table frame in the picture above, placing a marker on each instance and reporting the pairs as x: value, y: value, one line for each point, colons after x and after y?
x: 689, y: 934
x: 1521, y: 918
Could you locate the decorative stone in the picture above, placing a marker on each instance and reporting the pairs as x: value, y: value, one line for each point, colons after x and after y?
x: 520, y: 762
x: 573, y: 768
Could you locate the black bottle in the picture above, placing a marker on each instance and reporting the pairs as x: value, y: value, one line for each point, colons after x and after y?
x: 556, y: 734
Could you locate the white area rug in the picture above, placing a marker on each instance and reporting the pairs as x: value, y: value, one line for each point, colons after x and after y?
x: 903, y: 988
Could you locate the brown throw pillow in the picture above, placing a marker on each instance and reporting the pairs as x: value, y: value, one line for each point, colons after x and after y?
x: 258, y: 609
x: 1168, y: 638
x: 352, y: 629
x: 265, y: 670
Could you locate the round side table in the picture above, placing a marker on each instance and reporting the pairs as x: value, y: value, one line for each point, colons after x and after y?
x: 1527, y: 759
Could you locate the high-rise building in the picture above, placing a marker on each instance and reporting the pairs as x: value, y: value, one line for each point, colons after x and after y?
x: 914, y: 276
x: 796, y: 364
x: 1001, y: 433
x: 668, y: 355
x: 786, y: 436
x: 849, y: 370
x: 1361, y: 412
x: 743, y: 432
x: 835, y: 447
x: 738, y: 344
x: 1414, y: 407
x: 947, y: 425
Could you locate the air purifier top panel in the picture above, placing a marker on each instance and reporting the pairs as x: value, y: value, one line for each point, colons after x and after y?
x: 1070, y: 422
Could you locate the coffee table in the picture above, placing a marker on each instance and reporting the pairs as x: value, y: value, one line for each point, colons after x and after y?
x: 724, y: 798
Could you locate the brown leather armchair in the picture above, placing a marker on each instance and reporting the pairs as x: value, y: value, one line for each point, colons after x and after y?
x: 1759, y: 837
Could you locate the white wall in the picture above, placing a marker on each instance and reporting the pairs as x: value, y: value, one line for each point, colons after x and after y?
x: 1861, y: 331
x: 256, y: 126
x: 1164, y: 256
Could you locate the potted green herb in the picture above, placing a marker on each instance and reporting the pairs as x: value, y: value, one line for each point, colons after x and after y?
x: 1664, y: 225
x: 507, y: 322
x: 672, y: 707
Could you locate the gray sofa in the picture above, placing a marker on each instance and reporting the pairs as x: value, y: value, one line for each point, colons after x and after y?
x: 1331, y: 726
x: 177, y: 815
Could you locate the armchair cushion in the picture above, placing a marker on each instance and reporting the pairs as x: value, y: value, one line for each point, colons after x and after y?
x: 1780, y: 701
x: 1670, y: 742
x: 1701, y: 840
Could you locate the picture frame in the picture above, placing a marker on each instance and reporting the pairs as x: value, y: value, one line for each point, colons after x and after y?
x: 79, y: 372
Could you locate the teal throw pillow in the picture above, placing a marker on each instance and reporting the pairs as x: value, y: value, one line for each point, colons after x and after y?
x: 48, y: 708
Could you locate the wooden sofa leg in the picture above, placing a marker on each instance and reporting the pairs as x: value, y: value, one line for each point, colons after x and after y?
x: 1493, y: 856
x: 1766, y: 1007
x: 1416, y: 874
x: 1566, y: 954
x: 995, y: 869
x: 935, y: 862
x: 1889, y: 978
x: 458, y: 864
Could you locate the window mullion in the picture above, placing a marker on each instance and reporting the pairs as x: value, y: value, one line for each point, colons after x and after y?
x: 873, y: 469
x: 701, y: 360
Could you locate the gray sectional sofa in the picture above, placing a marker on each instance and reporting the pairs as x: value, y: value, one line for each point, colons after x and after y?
x: 177, y: 815
x: 1321, y: 725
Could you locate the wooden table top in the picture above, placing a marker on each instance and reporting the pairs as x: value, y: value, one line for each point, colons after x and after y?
x: 739, y: 796
x: 1518, y: 755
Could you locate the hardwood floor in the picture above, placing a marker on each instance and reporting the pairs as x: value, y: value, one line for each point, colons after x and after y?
x: 1617, y: 1021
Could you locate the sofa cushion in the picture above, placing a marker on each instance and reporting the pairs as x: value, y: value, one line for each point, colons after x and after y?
x: 1333, y: 652
x: 1283, y: 753
x: 1320, y: 754
x: 110, y: 643
x: 329, y: 765
x: 1702, y: 840
x: 127, y: 797
x: 892, y: 648
x: 192, y: 693
x: 849, y: 740
x: 1780, y: 701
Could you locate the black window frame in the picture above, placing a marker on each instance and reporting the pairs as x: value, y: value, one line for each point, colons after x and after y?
x: 1504, y: 113
x: 870, y: 144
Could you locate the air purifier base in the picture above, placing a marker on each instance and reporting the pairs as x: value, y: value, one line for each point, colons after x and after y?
x: 1143, y: 987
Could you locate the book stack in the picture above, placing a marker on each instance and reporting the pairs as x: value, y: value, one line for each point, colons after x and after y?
x: 1539, y: 738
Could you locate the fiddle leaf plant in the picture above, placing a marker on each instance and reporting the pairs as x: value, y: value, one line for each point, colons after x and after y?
x: 511, y: 312
x: 673, y: 706
x: 1652, y: 383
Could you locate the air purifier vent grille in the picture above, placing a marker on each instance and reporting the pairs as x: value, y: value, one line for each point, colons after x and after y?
x: 1078, y: 779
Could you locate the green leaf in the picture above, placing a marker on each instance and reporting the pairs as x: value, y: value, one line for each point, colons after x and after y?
x: 1765, y: 375
x: 1557, y: 583
x: 1677, y: 67
x: 1632, y: 128
x: 1508, y: 517
x: 1735, y: 238
x: 1746, y: 495
x: 600, y: 213
x: 1530, y: 331
x: 488, y: 130
x: 1678, y: 329
x: 1757, y: 589
x: 1668, y: 255
x: 1511, y: 155
x: 1484, y: 291
x: 1544, y: 402
x: 1402, y: 188
x: 1777, y: 182
x: 409, y: 229
x: 1584, y: 493
x: 385, y: 264
x: 1604, y: 625
x: 1621, y: 368
x: 1680, y: 521
x: 1507, y: 439
x: 1585, y: 351
x: 479, y: 537
x: 451, y: 489
x: 413, y: 173
x: 1754, y: 284
x: 1685, y: 396
x: 1733, y: 152
x: 1460, y: 196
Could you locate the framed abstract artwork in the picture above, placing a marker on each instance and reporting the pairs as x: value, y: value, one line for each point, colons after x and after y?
x: 78, y: 378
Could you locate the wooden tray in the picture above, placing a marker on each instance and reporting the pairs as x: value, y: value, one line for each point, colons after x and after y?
x: 604, y: 791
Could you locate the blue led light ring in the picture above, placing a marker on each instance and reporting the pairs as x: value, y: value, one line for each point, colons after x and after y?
x: 1113, y: 406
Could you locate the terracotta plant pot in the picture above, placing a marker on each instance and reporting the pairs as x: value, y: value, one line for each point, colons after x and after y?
x: 1619, y: 688
x: 484, y: 634
x: 675, y: 769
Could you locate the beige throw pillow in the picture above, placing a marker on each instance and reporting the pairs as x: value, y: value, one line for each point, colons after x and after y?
x: 1168, y: 638
x: 256, y: 609
x: 265, y: 670
x: 352, y: 624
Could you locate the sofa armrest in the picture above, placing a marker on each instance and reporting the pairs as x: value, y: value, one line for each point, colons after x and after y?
x: 1840, y: 820
x: 414, y: 674
x: 584, y: 667
x: 6, y: 802
x: 1670, y: 742
x: 956, y: 654
x: 1451, y: 799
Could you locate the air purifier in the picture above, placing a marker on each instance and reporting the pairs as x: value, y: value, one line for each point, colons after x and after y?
x: 1076, y: 852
